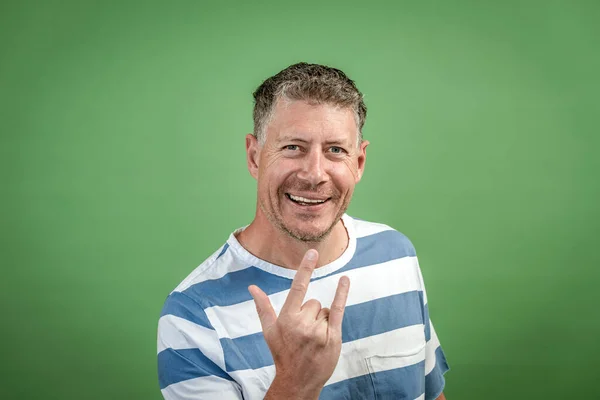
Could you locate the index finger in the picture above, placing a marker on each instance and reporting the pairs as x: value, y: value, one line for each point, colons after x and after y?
x: 295, y: 297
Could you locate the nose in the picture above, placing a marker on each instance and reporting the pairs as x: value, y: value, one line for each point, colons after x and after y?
x: 313, y: 169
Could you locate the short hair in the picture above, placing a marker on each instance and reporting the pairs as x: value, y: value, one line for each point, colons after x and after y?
x: 314, y: 83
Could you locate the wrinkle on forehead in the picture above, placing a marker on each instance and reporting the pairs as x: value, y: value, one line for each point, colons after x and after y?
x: 324, y: 118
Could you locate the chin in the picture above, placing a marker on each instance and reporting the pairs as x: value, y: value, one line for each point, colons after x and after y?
x: 308, y: 233
x: 307, y: 236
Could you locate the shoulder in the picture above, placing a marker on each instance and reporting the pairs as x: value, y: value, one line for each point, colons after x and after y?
x: 206, y: 286
x: 204, y: 279
x: 216, y: 265
x: 371, y: 232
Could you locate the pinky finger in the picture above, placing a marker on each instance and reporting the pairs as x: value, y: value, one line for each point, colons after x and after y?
x: 336, y: 314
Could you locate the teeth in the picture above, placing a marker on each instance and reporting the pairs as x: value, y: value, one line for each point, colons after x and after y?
x: 305, y: 200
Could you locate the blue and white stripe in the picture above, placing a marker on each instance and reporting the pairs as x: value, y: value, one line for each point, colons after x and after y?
x: 210, y: 340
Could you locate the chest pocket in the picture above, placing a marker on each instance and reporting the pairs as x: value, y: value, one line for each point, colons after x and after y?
x: 397, y: 371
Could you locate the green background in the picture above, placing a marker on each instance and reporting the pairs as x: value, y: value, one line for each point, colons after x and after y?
x: 122, y: 162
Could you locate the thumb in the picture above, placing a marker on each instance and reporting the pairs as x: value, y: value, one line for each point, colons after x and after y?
x: 265, y: 310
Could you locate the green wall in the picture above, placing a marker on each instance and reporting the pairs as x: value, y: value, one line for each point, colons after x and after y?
x: 122, y: 163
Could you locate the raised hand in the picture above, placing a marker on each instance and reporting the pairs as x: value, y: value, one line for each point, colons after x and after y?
x: 305, y: 340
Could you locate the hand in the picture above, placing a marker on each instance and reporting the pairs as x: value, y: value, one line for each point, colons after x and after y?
x: 305, y: 340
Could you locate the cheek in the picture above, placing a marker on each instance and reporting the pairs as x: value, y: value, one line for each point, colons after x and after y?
x: 280, y: 171
x: 348, y: 172
x: 277, y: 174
x: 343, y: 180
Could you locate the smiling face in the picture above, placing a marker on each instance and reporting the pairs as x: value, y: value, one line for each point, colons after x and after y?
x: 307, y: 168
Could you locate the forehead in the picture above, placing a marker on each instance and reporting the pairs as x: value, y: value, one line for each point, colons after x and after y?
x: 309, y: 121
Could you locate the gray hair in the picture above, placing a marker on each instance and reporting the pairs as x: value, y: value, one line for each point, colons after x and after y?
x: 313, y: 83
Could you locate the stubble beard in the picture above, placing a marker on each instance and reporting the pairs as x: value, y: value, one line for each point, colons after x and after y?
x: 306, y: 237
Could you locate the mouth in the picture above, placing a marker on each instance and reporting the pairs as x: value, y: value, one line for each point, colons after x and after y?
x: 311, y: 202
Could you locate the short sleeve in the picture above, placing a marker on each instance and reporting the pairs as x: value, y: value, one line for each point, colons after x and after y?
x: 435, y: 366
x: 435, y: 359
x: 190, y: 359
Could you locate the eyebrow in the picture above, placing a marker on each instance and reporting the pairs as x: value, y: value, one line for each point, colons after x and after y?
x: 291, y: 139
x: 340, y: 142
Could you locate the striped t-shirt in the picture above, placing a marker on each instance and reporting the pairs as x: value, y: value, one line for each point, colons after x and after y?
x: 211, y: 346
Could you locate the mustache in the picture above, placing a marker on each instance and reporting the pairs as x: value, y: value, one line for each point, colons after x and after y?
x: 310, y: 189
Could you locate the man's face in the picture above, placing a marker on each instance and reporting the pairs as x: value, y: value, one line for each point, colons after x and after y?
x: 307, y: 168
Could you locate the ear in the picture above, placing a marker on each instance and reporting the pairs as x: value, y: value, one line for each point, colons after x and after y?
x: 252, y: 154
x: 362, y: 159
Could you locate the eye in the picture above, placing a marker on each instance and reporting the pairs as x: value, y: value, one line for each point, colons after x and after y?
x: 336, y: 150
x: 292, y: 147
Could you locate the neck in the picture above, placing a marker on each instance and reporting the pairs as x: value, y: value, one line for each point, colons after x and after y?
x: 269, y: 243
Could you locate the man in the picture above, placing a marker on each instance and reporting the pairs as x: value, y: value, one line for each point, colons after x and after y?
x: 239, y: 327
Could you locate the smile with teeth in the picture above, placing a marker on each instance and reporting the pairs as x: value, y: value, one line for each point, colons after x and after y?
x: 304, y: 200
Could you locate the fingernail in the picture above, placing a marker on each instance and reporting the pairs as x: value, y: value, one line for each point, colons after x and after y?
x: 311, y: 255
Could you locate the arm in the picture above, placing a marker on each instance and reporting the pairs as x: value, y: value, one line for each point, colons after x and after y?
x: 441, y: 397
x: 189, y: 366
